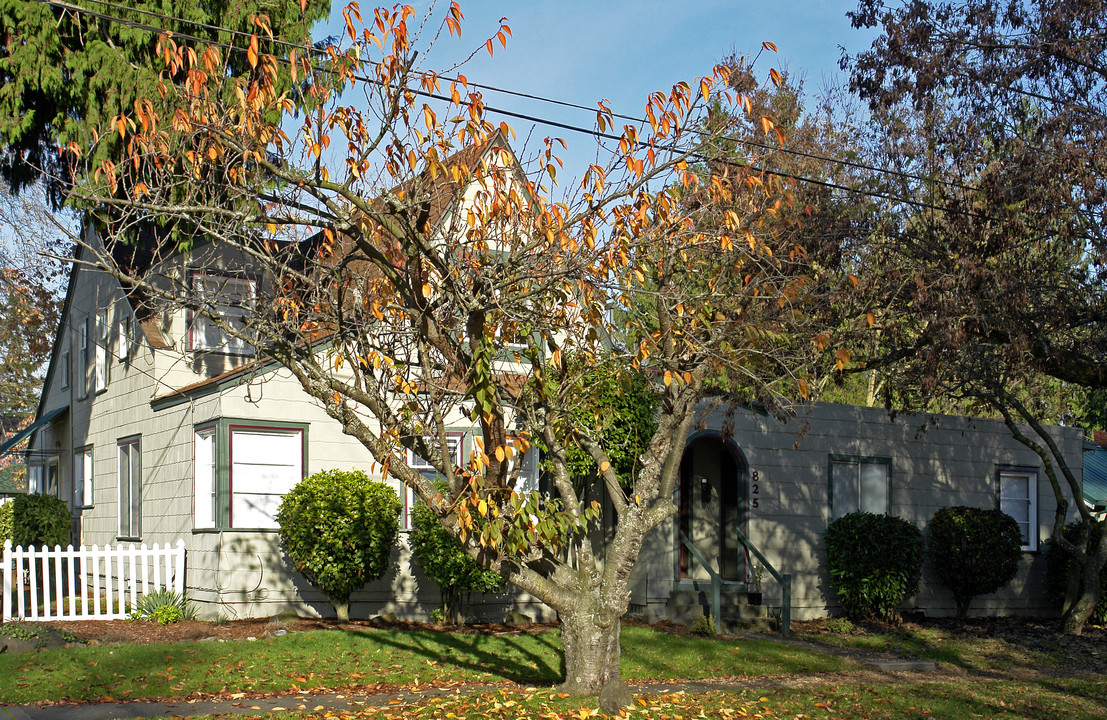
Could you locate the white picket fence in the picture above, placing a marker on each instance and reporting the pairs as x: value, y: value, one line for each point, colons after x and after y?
x: 87, y: 583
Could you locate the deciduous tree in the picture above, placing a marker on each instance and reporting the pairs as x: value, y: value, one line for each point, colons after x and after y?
x: 985, y: 274
x: 443, y: 279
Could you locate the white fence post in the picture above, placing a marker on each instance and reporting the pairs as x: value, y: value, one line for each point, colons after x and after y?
x: 8, y: 571
x: 126, y: 577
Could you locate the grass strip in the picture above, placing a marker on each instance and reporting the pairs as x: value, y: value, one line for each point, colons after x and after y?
x: 334, y: 660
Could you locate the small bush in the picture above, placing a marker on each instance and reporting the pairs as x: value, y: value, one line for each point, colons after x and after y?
x: 839, y: 626
x: 40, y: 520
x: 164, y: 607
x: 5, y: 523
x: 444, y: 560
x: 1059, y: 564
x: 338, y: 528
x: 973, y: 551
x: 705, y: 625
x: 874, y: 563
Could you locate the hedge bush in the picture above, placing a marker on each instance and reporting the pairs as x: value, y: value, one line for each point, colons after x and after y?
x: 40, y: 520
x: 973, y: 551
x: 1058, y: 564
x: 874, y: 563
x: 338, y: 528
x: 444, y: 561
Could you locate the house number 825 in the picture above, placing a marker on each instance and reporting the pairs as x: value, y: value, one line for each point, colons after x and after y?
x: 755, y: 489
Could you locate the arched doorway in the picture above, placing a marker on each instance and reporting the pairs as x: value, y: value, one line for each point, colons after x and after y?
x: 712, y: 499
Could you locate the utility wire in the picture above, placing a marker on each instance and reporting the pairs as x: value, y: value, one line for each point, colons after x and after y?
x: 61, y: 4
x: 548, y: 100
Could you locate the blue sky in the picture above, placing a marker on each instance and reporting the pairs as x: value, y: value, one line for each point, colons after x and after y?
x: 621, y: 50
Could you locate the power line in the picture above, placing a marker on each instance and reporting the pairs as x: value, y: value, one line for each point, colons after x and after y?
x: 61, y: 4
x: 560, y: 103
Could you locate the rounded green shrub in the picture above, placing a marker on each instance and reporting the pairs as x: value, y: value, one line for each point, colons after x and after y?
x: 40, y: 520
x: 338, y: 528
x: 1059, y: 565
x: 973, y: 551
x: 444, y: 561
x: 874, y: 563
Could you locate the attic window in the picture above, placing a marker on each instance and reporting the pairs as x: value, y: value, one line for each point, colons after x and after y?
x: 229, y: 298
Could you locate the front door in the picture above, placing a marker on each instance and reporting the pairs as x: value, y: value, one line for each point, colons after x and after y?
x: 712, y: 502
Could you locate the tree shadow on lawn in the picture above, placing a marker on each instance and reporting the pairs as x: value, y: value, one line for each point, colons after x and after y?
x: 471, y: 651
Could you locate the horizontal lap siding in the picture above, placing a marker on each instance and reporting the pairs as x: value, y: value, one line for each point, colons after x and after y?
x: 936, y: 461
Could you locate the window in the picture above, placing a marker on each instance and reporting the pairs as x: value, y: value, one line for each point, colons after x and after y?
x: 123, y: 339
x: 83, y: 360
x: 453, y: 446
x: 265, y: 463
x: 204, y: 469
x: 229, y: 298
x: 1018, y: 497
x: 35, y: 483
x: 130, y: 488
x: 858, y: 485
x: 100, y: 368
x: 65, y: 369
x: 52, y: 476
x: 82, y: 477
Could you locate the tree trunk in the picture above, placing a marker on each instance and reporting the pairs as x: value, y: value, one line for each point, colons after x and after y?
x: 963, y: 606
x: 1077, y: 614
x: 591, y: 655
x: 342, y: 609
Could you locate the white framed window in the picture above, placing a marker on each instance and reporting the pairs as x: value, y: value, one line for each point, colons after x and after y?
x: 858, y: 485
x: 229, y: 298
x: 204, y: 471
x: 123, y: 339
x: 453, y: 446
x: 35, y: 483
x: 52, y: 472
x: 84, y: 361
x: 1018, y: 497
x: 100, y: 367
x: 265, y: 463
x: 130, y: 488
x: 82, y: 477
x: 65, y: 369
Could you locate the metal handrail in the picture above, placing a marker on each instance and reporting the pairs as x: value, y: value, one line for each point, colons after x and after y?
x: 785, y: 580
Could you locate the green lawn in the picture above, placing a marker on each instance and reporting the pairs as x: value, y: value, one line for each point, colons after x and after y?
x: 376, y: 658
x: 332, y: 660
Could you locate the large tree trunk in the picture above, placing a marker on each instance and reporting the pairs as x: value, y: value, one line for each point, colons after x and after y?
x: 1081, y: 607
x: 342, y: 609
x: 591, y: 652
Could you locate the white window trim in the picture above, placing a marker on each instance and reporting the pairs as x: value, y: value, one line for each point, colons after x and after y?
x: 420, y: 465
x: 1033, y: 529
x: 858, y: 461
x: 260, y: 428
x: 83, y: 358
x: 129, y: 450
x: 197, y: 320
x: 205, y: 490
x: 65, y: 369
x: 100, y: 350
x: 83, y: 477
x: 123, y: 339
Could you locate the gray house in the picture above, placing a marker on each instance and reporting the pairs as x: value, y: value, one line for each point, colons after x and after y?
x: 155, y: 429
x: 155, y: 426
